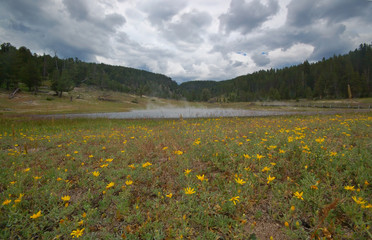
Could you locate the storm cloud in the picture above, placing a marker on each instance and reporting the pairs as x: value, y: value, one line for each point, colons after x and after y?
x: 189, y: 39
x: 245, y: 16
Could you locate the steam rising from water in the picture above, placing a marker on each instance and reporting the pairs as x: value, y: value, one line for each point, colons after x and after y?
x: 174, y: 113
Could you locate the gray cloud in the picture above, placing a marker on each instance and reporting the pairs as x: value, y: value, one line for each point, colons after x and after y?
x: 331, y: 27
x: 237, y: 64
x: 70, y: 29
x: 323, y: 25
x: 302, y: 13
x: 245, y: 16
x: 29, y: 11
x: 110, y: 22
x: 160, y: 11
x: 78, y: 9
x: 188, y: 30
x: 261, y: 59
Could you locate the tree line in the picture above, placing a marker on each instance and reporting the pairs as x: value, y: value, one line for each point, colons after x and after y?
x: 21, y: 67
x: 340, y: 76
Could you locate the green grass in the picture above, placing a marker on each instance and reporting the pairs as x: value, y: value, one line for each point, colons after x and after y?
x: 315, y: 157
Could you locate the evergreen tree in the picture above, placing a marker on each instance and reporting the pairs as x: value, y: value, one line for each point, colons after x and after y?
x: 62, y: 82
x: 30, y: 75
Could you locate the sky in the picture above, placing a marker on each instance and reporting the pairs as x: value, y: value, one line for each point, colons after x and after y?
x: 189, y: 39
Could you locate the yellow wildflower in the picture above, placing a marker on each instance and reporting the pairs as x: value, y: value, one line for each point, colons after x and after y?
x: 234, y: 199
x: 165, y: 148
x: 77, y: 233
x: 240, y: 181
x: 293, y: 208
x: 27, y: 169
x: 90, y: 155
x: 132, y: 166
x: 109, y: 159
x: 96, y: 173
x: 359, y: 200
x: 36, y: 215
x: 259, y: 156
x: 246, y: 156
x: 201, y: 178
x: 367, y: 206
x: 350, y: 188
x: 111, y: 184
x: 299, y: 195
x: 189, y: 190
x: 129, y: 182
x: 6, y: 202
x: 333, y: 154
x: 66, y: 198
x: 187, y: 171
x: 178, y: 152
x: 286, y: 224
x: 103, y: 165
x: 265, y: 169
x: 306, y: 148
x: 36, y: 177
x: 19, y: 198
x: 146, y: 164
x: 169, y: 195
x: 269, y: 179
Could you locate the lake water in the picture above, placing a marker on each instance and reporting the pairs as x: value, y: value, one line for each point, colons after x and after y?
x: 174, y: 113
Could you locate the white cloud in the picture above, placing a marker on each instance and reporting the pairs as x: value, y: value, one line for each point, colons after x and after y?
x: 297, y: 53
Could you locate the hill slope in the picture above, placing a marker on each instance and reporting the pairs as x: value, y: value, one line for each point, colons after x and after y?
x: 337, y: 77
x: 324, y: 79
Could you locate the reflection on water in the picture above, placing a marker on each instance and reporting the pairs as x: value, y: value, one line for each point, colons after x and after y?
x: 173, y: 113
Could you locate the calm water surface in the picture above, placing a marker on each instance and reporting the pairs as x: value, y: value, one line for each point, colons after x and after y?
x: 174, y: 113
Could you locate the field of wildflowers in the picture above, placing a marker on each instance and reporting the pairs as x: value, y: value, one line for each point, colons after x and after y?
x: 289, y: 177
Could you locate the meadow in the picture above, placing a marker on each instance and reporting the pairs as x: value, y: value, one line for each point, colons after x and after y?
x: 287, y: 177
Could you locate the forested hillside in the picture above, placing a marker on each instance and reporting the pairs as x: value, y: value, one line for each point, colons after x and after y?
x: 324, y: 79
x: 337, y: 77
x: 21, y: 66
